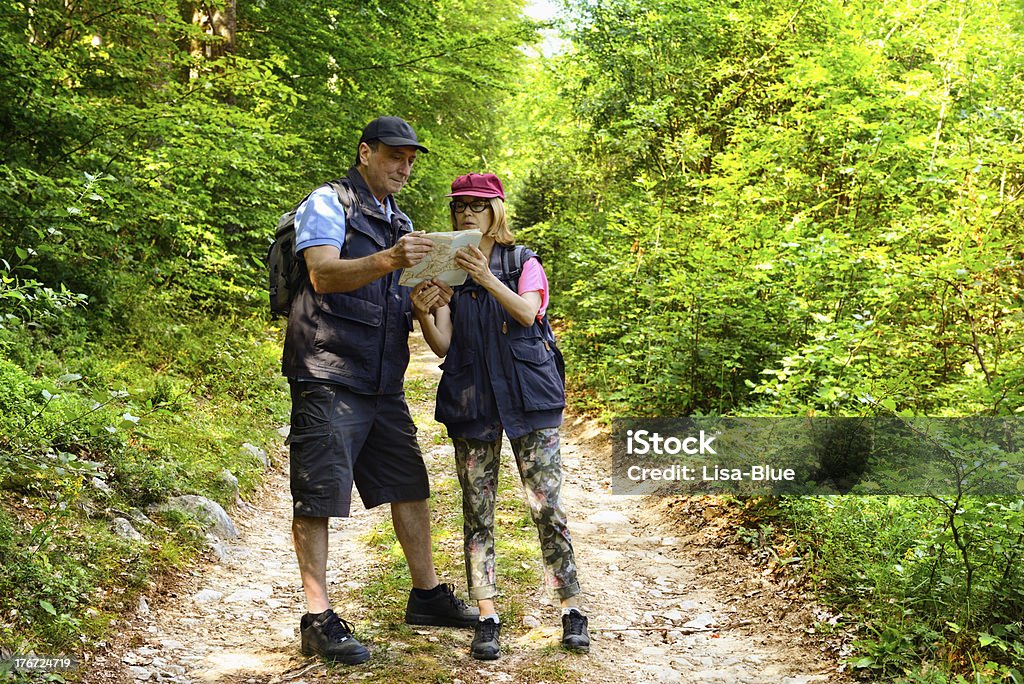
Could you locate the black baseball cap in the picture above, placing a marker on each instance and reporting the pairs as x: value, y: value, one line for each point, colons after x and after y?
x: 393, y: 131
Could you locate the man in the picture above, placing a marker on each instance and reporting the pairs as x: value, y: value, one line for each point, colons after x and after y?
x: 345, y: 354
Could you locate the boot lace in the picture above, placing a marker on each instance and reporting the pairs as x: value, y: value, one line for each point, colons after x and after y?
x: 486, y: 630
x: 449, y: 591
x: 575, y: 623
x: 336, y: 629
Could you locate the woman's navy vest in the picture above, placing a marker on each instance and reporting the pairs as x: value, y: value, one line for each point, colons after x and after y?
x: 498, y: 373
x: 359, y: 339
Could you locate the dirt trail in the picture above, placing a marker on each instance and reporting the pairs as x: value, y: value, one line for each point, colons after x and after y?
x: 665, y: 605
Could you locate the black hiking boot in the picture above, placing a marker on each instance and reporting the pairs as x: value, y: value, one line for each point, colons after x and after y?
x: 328, y: 636
x: 574, y: 632
x: 440, y: 609
x: 485, y: 640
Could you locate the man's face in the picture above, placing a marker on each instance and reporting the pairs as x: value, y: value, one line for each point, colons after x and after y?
x: 387, y: 168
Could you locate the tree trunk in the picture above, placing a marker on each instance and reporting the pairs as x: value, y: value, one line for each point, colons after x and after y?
x: 215, y: 20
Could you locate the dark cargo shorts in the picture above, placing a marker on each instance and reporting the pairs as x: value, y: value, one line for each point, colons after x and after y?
x: 339, y: 437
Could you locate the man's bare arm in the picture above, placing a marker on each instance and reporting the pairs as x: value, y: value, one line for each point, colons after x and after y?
x: 329, y: 273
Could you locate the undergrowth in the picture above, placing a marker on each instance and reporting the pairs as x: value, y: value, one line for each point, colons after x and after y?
x: 100, y: 421
x: 932, y: 587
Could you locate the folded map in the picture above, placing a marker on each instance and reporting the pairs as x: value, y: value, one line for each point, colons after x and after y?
x: 440, y: 263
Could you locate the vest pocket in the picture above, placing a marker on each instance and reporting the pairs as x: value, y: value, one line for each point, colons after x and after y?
x: 352, y: 309
x: 537, y: 372
x: 349, y: 331
x: 457, y: 394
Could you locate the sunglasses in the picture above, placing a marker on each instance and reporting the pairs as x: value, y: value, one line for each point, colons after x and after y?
x: 476, y: 206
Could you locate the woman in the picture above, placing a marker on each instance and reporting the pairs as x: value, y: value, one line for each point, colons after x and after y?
x: 502, y: 372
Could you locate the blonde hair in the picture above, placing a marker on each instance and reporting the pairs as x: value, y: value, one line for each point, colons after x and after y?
x: 498, y: 229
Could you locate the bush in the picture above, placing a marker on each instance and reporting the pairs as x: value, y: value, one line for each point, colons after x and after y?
x: 929, y: 579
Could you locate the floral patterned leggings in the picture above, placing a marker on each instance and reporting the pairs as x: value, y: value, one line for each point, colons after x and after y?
x: 540, y: 467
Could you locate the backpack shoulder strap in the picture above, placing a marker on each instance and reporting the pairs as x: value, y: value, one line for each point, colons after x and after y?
x: 345, y: 193
x: 512, y: 260
x: 340, y: 187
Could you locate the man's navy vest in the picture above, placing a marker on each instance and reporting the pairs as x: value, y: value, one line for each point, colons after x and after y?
x: 359, y: 339
x: 497, y: 373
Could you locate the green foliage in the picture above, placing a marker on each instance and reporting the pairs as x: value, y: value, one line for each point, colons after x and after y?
x: 143, y: 165
x: 774, y: 209
x: 76, y: 454
x: 441, y: 65
x: 113, y: 101
x: 929, y: 580
x: 780, y: 209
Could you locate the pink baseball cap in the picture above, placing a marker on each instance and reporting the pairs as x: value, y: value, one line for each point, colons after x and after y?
x: 477, y: 185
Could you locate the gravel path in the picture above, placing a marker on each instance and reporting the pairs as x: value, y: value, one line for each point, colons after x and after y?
x: 665, y: 604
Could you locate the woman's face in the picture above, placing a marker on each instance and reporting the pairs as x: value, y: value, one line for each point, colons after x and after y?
x: 472, y: 213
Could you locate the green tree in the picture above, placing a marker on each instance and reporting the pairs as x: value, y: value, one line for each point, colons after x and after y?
x: 788, y: 206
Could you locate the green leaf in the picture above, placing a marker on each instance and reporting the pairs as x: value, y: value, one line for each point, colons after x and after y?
x: 48, y: 607
x: 21, y: 252
x: 866, y: 661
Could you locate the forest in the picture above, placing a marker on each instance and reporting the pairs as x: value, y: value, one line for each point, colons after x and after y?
x: 745, y: 208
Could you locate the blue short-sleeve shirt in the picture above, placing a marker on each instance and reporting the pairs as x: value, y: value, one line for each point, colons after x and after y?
x: 320, y: 220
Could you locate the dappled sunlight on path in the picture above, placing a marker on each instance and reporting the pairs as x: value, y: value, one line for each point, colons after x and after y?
x: 662, y: 607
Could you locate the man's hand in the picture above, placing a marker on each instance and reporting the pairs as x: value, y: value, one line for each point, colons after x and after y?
x: 410, y: 250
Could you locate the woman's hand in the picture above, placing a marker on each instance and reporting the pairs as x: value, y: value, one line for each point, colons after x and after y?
x: 471, y: 260
x: 430, y: 305
x: 522, y: 307
x: 429, y: 296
